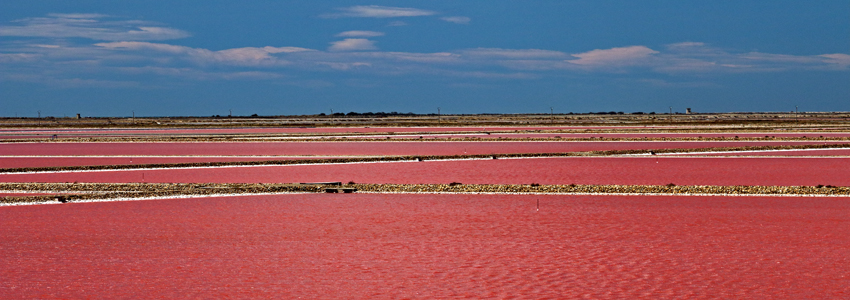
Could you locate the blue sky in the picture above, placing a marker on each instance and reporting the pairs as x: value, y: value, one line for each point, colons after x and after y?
x: 201, y: 58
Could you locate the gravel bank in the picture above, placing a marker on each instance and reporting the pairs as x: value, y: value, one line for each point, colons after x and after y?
x: 423, y: 137
x: 72, y: 192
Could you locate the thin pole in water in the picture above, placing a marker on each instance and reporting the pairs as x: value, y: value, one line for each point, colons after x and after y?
x: 538, y: 204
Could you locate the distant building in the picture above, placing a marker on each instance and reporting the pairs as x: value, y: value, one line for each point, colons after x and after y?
x: 688, y: 110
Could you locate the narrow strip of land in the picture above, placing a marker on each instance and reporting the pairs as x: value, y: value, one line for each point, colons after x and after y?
x: 75, y: 192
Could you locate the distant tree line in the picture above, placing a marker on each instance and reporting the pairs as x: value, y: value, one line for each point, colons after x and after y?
x: 394, y: 113
x: 372, y: 114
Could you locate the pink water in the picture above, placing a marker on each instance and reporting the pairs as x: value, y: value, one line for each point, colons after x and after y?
x: 28, y: 162
x: 810, y: 152
x: 99, y: 131
x: 353, y: 148
x: 783, y: 171
x: 361, y: 246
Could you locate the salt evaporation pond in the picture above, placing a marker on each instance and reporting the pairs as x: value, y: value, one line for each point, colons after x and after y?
x: 364, y: 148
x: 393, y: 246
x: 633, y: 170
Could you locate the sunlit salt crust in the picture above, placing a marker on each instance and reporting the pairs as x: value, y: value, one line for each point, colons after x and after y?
x: 269, y: 165
x: 146, y: 198
x: 684, y: 154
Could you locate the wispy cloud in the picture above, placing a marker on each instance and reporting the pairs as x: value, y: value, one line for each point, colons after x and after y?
x: 685, y: 45
x: 352, y: 45
x: 343, y: 66
x: 16, y: 57
x: 673, y: 84
x: 91, y: 26
x: 457, y: 19
x: 249, y: 56
x: 430, y: 58
x: 145, y: 45
x: 87, y: 83
x: 349, y: 56
x: 515, y: 53
x: 72, y: 62
x: 47, y: 46
x: 77, y: 16
x: 196, y: 74
x: 360, y: 33
x: 838, y: 59
x: 699, y: 57
x: 375, y: 11
x: 614, y: 56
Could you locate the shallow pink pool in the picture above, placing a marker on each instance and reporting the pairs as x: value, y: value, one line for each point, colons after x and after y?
x: 365, y: 246
x: 783, y: 171
x: 359, y: 148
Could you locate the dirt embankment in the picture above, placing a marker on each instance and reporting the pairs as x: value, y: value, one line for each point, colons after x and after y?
x: 424, y: 137
x: 73, y: 192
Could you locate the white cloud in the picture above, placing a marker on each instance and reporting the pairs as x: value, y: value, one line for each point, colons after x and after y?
x: 196, y: 74
x: 77, y: 16
x: 154, y: 33
x: 536, y: 64
x: 359, y: 53
x: 131, y: 46
x: 780, y: 58
x: 90, y: 26
x: 145, y: 45
x: 345, y: 66
x: 397, y: 23
x: 17, y: 57
x: 352, y: 45
x: 457, y: 19
x: 249, y: 56
x: 439, y: 57
x: 375, y: 11
x: 676, y: 84
x: 86, y: 83
x: 514, y: 53
x: 837, y: 58
x: 685, y: 45
x: 697, y: 57
x: 614, y: 56
x: 681, y: 64
x: 360, y: 33
x: 183, y: 49
x: 285, y: 49
x: 489, y: 75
